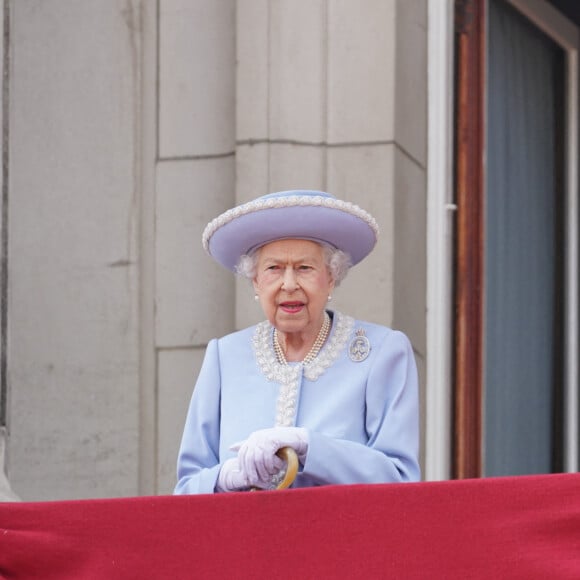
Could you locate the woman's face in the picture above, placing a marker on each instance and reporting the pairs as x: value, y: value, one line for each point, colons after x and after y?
x: 293, y: 284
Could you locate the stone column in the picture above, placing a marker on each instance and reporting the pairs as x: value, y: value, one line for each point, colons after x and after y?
x: 74, y: 218
x: 195, y: 182
x: 6, y: 493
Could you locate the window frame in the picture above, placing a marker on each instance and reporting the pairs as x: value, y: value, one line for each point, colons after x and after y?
x: 440, y: 216
x: 470, y: 47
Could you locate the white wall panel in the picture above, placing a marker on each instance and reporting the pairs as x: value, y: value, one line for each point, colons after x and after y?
x: 178, y: 370
x: 196, y: 77
x: 297, y: 74
x: 74, y: 204
x: 195, y: 295
x: 365, y: 175
x: 361, y: 70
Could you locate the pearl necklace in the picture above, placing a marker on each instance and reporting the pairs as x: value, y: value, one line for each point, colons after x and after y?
x: 313, y: 352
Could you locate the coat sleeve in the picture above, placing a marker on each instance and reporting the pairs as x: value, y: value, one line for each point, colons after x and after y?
x: 392, y: 425
x: 198, y: 463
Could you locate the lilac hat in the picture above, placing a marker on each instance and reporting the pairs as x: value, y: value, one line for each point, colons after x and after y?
x: 309, y: 215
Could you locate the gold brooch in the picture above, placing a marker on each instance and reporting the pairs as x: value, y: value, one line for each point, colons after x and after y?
x: 360, y: 347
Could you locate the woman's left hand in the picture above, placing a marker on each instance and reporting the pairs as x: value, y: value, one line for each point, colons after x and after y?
x: 257, y: 455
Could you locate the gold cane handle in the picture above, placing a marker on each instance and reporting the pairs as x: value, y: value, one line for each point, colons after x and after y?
x: 289, y: 456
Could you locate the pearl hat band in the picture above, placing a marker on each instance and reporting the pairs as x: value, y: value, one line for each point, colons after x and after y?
x: 302, y: 214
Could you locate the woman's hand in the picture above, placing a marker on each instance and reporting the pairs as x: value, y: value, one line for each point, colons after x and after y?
x: 231, y: 477
x: 257, y: 455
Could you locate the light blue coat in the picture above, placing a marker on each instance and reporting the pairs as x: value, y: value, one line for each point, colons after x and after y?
x: 362, y: 416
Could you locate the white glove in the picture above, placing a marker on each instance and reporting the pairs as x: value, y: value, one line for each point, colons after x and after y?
x: 231, y: 477
x: 257, y: 455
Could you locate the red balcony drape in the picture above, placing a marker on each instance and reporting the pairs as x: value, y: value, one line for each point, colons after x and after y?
x: 513, y: 527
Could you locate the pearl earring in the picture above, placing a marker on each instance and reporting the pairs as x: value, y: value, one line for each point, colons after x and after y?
x: 329, y: 297
x: 256, y: 297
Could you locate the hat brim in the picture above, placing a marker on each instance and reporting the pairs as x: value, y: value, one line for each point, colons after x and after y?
x: 340, y: 224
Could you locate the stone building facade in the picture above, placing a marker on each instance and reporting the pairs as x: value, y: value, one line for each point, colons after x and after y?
x: 127, y: 126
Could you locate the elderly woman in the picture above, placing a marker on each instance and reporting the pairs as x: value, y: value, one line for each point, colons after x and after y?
x: 341, y: 392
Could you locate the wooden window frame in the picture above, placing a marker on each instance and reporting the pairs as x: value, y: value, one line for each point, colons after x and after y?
x: 469, y: 195
x: 470, y: 45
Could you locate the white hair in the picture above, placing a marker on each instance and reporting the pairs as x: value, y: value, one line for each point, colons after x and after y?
x: 337, y: 262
